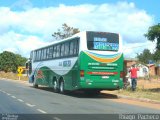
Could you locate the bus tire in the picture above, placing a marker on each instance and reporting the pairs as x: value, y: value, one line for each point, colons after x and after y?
x: 34, y: 83
x: 61, y: 87
x: 55, y: 86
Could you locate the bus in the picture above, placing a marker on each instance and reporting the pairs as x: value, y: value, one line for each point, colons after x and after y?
x: 89, y: 61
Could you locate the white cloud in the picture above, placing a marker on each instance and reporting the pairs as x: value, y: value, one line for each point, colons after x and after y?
x: 132, y: 49
x: 33, y: 27
x: 19, y: 43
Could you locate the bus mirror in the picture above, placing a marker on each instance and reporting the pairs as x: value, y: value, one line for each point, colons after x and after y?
x: 27, y: 65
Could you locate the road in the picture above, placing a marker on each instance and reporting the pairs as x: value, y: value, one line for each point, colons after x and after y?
x: 22, y: 98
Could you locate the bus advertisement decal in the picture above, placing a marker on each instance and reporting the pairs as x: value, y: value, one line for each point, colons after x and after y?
x: 40, y: 74
x: 102, y: 73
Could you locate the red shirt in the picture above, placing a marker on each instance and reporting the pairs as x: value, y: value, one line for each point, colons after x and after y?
x: 133, y: 72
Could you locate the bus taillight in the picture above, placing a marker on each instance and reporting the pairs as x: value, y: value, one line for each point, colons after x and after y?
x: 121, y: 74
x: 82, y: 73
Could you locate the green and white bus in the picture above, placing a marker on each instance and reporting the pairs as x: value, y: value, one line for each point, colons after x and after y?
x: 89, y: 61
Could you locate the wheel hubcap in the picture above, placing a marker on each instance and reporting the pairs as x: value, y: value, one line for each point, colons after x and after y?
x: 55, y: 85
x: 61, y: 87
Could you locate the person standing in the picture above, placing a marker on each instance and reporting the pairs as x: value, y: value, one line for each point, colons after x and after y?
x: 133, y: 72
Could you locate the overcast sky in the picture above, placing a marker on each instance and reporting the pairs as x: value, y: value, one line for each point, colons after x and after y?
x: 26, y: 24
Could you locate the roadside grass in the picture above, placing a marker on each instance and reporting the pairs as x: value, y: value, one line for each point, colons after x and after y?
x: 148, y: 89
x: 13, y: 76
x: 153, y: 94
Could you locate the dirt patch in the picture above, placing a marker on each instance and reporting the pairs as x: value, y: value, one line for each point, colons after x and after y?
x: 149, y: 84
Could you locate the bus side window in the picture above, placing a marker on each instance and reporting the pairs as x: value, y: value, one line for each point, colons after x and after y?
x: 62, y: 50
x: 58, y: 51
x: 36, y: 55
x: 50, y: 52
x: 40, y: 58
x: 71, y: 46
x: 75, y: 47
x: 66, y: 52
x: 42, y: 54
x: 47, y: 53
x: 39, y: 54
x: 54, y: 51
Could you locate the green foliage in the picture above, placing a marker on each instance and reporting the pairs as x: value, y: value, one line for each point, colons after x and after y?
x: 20, y: 60
x: 145, y: 56
x: 156, y: 56
x: 9, y: 61
x: 65, y: 32
x: 154, y: 34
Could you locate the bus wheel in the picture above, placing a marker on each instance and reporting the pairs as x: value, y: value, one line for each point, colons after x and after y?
x: 34, y: 83
x: 61, y: 87
x: 55, y: 86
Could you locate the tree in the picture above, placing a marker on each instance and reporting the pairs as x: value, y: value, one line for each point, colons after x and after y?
x: 9, y: 61
x: 145, y: 56
x: 20, y: 61
x: 65, y: 32
x: 156, y: 56
x: 153, y: 34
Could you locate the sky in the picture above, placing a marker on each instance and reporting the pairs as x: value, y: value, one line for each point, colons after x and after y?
x: 28, y: 24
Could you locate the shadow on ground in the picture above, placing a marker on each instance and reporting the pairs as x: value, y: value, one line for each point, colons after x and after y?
x: 81, y: 94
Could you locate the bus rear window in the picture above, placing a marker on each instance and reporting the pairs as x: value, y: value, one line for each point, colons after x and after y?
x: 102, y: 41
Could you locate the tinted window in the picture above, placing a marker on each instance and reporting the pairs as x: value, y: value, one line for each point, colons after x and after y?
x: 39, y: 54
x: 66, y: 52
x: 47, y: 53
x: 50, y: 52
x: 44, y: 54
x: 36, y: 54
x: 62, y: 49
x: 66, y: 49
x: 102, y: 41
x: 58, y: 51
x: 71, y: 48
x: 54, y: 51
x: 74, y: 47
x: 75, y: 51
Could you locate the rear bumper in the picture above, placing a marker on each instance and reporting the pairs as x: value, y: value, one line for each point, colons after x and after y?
x: 101, y: 85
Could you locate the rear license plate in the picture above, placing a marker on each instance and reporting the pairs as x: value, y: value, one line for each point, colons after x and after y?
x: 104, y: 77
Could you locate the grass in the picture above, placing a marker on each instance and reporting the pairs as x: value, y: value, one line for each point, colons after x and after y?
x: 14, y: 76
x: 149, y: 89
x: 153, y: 94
